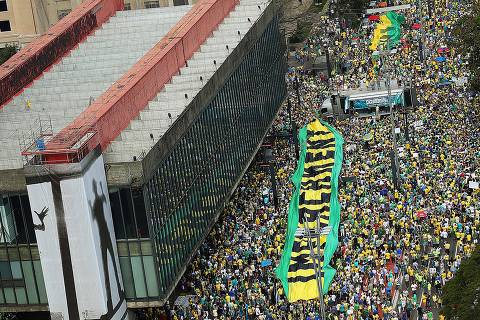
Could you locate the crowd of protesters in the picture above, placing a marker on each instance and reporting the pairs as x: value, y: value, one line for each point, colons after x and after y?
x: 398, y: 244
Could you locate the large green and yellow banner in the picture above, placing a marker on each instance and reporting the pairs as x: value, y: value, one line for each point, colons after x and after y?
x: 315, y: 196
x: 388, y: 30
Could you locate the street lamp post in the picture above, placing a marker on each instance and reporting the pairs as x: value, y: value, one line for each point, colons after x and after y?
x: 421, y: 47
x: 289, y: 110
x: 297, y: 88
x: 329, y: 67
x: 395, y: 172
x: 413, y: 135
x: 316, y: 255
x: 405, y: 117
x: 295, y: 140
x: 270, y: 159
x: 274, y: 184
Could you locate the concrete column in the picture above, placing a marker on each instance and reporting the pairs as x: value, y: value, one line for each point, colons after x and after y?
x: 76, y: 240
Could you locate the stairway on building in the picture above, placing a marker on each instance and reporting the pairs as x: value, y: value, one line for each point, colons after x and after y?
x: 68, y: 88
x: 144, y: 131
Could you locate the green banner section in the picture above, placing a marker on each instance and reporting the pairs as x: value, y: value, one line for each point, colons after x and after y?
x: 334, y: 221
x: 395, y: 31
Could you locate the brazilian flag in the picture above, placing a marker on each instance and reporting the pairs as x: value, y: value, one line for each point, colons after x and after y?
x: 315, y: 195
x: 387, y: 30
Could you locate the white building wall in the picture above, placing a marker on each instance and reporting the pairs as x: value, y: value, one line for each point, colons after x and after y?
x: 41, y: 200
x: 91, y: 240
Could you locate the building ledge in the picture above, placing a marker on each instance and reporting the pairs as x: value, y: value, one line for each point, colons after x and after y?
x: 143, y: 304
x: 24, y: 308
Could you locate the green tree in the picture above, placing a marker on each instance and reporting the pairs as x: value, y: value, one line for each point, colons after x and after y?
x: 352, y: 10
x: 461, y: 295
x: 6, y: 316
x: 302, y: 32
x: 466, y: 38
x: 7, y: 52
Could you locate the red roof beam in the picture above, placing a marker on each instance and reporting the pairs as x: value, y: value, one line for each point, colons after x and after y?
x: 112, y: 112
x: 30, y: 62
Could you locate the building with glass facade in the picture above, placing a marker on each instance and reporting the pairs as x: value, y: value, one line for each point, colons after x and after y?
x: 21, y: 277
x: 160, y: 217
x: 188, y: 189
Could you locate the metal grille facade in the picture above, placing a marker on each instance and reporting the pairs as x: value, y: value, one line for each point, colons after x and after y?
x: 133, y: 244
x: 190, y: 186
x: 21, y: 277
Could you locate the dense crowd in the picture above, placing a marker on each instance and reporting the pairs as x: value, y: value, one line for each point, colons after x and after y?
x: 398, y: 244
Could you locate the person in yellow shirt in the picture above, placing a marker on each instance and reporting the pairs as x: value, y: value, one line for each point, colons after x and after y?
x: 424, y: 299
x: 449, y: 275
x: 410, y: 271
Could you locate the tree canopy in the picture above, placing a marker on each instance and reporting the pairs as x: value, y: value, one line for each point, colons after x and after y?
x: 7, y: 52
x: 461, y: 295
x: 466, y: 38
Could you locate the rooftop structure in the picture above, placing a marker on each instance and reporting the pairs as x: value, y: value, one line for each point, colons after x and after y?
x: 71, y: 85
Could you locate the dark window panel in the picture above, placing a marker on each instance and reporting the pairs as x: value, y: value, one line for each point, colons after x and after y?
x: 27, y: 214
x: 5, y: 26
x: 140, y: 213
x: 128, y: 218
x: 117, y: 215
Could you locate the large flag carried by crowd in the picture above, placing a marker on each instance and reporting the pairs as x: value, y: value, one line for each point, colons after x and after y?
x: 387, y: 31
x: 315, y: 199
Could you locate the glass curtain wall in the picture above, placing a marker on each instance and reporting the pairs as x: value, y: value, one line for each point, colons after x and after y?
x: 134, y: 244
x: 189, y: 188
x: 21, y: 277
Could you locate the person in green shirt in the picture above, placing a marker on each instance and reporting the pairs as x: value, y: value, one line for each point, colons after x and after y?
x: 430, y: 315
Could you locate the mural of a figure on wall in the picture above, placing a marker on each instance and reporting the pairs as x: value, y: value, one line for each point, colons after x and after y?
x: 41, y: 216
x: 106, y: 246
